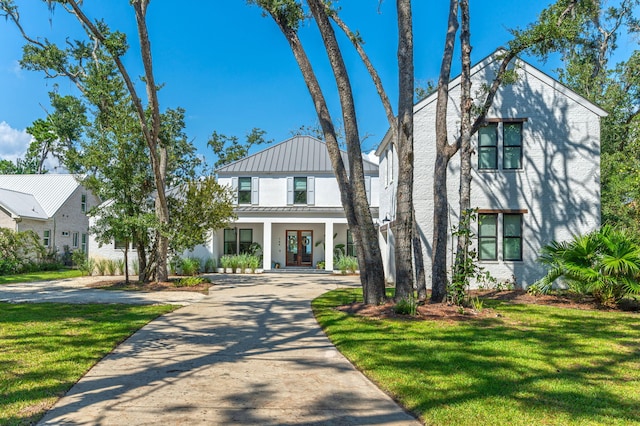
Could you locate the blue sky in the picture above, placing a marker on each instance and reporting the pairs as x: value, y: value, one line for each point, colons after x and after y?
x: 231, y: 69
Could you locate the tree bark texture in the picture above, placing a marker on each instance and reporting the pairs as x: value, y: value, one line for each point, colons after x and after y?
x: 371, y: 270
x: 372, y: 276
x: 444, y: 152
x: 465, y: 137
x: 403, y: 224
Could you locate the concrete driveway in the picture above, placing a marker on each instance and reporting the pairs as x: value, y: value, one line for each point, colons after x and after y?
x: 250, y: 353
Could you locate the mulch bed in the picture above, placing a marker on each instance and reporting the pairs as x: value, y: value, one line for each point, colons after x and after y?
x: 448, y: 312
x: 149, y: 287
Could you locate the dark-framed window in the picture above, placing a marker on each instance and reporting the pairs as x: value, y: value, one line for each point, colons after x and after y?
x: 230, y: 245
x: 488, y: 147
x: 299, y: 190
x: 245, y: 240
x: 488, y: 237
x: 83, y: 203
x: 512, y: 146
x: 120, y: 244
x: 85, y: 239
x: 244, y: 190
x: 512, y: 236
x: 76, y: 239
x: 351, y: 247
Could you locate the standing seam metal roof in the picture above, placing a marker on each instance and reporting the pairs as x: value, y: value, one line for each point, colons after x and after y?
x: 50, y: 190
x: 300, y: 154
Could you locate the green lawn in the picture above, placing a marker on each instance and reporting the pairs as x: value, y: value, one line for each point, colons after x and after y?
x: 40, y: 276
x: 529, y: 365
x: 46, y: 347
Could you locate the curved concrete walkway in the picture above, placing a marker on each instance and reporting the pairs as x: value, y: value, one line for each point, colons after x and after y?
x: 250, y: 353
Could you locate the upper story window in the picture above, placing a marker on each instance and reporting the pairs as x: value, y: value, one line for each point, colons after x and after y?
x: 505, y: 133
x: 244, y: 190
x: 488, y: 147
x: 300, y: 190
x: 510, y: 225
x: 389, y: 163
x: 83, y: 203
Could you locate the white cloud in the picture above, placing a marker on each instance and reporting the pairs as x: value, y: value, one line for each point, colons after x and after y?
x: 13, y: 142
x: 16, y: 69
x: 371, y: 156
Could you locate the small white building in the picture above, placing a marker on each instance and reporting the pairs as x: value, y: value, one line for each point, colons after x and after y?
x: 288, y: 201
x: 54, y: 206
x: 536, y: 172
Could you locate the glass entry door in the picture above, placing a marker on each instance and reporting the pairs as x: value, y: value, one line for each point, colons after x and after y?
x: 299, y: 248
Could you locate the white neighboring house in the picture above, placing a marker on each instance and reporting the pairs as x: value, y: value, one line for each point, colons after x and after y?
x: 288, y: 201
x: 536, y: 172
x: 54, y: 206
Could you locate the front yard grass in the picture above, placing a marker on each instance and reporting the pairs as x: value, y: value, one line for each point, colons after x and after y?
x: 46, y: 347
x: 527, y: 364
x: 40, y: 276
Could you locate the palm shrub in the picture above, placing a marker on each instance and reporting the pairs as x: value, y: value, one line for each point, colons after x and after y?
x: 604, y: 263
x: 120, y: 266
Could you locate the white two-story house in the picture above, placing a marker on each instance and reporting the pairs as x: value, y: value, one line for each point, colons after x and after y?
x: 288, y: 201
x: 536, y: 172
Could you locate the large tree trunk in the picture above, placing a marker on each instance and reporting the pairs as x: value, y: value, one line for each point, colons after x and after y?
x: 150, y: 125
x: 371, y: 270
x: 369, y: 258
x: 465, y: 145
x: 403, y: 224
x: 393, y: 124
x: 444, y: 152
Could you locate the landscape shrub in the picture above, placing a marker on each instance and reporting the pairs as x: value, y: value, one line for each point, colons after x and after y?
x: 190, y: 266
x: 20, y: 251
x: 210, y: 265
x: 604, y: 264
x: 347, y: 264
x: 191, y: 281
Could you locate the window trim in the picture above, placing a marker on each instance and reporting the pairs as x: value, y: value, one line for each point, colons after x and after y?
x: 493, y: 237
x: 505, y: 237
x: 83, y: 203
x: 500, y: 229
x: 75, y: 240
x: 493, y: 147
x: 500, y: 146
x: 505, y: 146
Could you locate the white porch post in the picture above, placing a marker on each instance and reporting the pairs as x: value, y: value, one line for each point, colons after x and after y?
x: 266, y: 245
x: 328, y: 246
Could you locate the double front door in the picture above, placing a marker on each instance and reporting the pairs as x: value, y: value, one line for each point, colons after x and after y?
x: 299, y: 248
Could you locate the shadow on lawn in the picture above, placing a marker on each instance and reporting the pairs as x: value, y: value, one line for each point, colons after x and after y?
x: 564, y: 362
x: 254, y: 325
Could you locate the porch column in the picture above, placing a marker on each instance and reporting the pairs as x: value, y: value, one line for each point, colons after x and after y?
x: 328, y: 246
x: 266, y: 245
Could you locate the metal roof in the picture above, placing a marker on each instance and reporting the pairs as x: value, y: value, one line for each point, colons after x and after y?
x: 300, y: 154
x: 19, y: 204
x: 50, y: 190
x: 295, y: 210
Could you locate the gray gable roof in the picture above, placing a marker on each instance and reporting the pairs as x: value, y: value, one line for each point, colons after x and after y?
x: 19, y: 204
x: 51, y: 190
x: 300, y: 154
